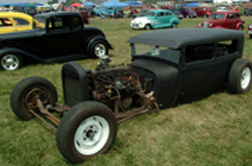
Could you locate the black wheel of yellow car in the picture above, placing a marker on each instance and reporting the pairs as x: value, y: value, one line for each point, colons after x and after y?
x: 87, y: 129
x: 24, y: 95
x: 239, y: 79
x: 11, y: 61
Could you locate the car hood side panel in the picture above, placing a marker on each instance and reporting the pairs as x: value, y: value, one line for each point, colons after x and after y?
x: 163, y: 79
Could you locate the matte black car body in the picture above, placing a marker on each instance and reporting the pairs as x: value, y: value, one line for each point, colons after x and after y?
x: 68, y: 40
x: 185, y: 81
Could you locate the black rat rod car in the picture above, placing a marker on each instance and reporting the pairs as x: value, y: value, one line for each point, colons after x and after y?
x: 168, y: 67
x: 55, y: 37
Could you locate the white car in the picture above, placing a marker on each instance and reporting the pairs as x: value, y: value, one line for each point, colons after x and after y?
x: 219, y: 9
x: 155, y: 19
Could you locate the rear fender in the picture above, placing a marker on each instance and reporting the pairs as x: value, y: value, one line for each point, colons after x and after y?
x: 93, y: 38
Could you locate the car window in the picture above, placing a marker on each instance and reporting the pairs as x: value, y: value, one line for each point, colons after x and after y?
x: 160, y: 14
x: 20, y: 21
x: 75, y: 22
x: 156, y: 51
x: 230, y: 16
x: 226, y: 47
x: 58, y: 24
x: 199, y: 53
x: 217, y: 16
x: 237, y: 15
x: 168, y: 14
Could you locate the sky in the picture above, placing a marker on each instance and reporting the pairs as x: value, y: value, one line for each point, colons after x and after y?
x: 28, y: 1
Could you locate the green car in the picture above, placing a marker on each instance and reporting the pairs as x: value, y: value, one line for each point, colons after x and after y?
x: 155, y: 19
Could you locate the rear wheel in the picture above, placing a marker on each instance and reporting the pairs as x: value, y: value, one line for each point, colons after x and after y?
x: 87, y: 129
x: 24, y: 95
x: 204, y: 16
x: 98, y: 49
x: 148, y: 27
x: 11, y: 61
x: 250, y: 36
x: 239, y: 80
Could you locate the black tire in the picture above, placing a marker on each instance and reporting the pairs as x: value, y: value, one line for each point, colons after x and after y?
x: 89, y: 117
x: 250, y: 36
x: 26, y: 92
x: 11, y: 61
x: 147, y: 27
x: 204, y: 16
x: 98, y: 48
x: 174, y: 25
x: 239, y: 79
x: 240, y: 28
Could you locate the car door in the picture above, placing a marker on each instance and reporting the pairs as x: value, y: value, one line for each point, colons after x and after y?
x: 229, y: 23
x: 159, y: 20
x: 200, y: 74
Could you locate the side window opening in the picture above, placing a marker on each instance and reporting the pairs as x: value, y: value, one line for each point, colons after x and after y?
x: 199, y: 53
x: 20, y: 21
x: 226, y: 47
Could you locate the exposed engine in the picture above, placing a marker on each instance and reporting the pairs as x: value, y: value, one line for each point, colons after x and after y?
x: 116, y: 86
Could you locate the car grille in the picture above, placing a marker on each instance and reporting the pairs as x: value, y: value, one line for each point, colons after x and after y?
x: 135, y: 25
x: 205, y: 25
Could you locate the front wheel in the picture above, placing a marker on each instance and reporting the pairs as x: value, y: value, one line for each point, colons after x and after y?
x: 174, y: 25
x: 240, y: 28
x: 24, y: 95
x: 250, y: 36
x: 98, y: 49
x: 87, y: 129
x: 11, y: 62
x: 148, y: 27
x: 239, y: 80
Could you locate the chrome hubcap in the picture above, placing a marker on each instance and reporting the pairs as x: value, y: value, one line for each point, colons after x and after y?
x: 10, y: 62
x: 245, y: 78
x: 100, y: 50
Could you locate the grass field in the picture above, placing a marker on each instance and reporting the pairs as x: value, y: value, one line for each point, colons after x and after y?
x: 214, y: 131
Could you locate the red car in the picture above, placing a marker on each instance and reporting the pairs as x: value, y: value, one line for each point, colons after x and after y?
x: 234, y: 9
x: 250, y: 30
x: 84, y: 15
x: 224, y: 19
x: 203, y: 11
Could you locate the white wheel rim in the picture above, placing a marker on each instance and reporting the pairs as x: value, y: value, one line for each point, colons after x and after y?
x: 91, y: 135
x: 10, y: 62
x: 245, y: 78
x: 100, y: 50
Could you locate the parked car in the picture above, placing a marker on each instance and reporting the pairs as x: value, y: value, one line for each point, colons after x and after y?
x: 250, y: 30
x: 155, y: 19
x: 168, y: 67
x: 234, y: 9
x: 58, y: 36
x: 188, y: 13
x: 247, y: 11
x: 15, y: 21
x: 84, y: 15
x: 222, y: 8
x: 203, y: 11
x: 227, y: 20
x: 90, y: 10
x: 177, y: 13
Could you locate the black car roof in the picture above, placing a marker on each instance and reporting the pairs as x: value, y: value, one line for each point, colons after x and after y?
x: 55, y: 14
x: 182, y: 37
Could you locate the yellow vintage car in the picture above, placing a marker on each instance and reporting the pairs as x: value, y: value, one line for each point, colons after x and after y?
x: 15, y: 21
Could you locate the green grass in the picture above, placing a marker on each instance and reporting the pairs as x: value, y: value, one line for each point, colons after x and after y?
x: 213, y: 131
